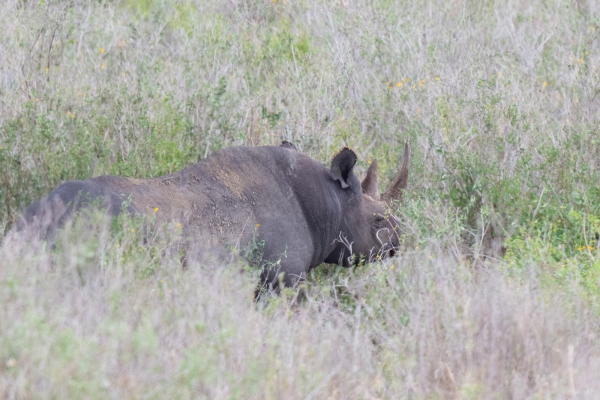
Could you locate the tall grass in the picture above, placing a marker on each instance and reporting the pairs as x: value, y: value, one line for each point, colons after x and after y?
x: 106, y: 317
x: 495, y: 292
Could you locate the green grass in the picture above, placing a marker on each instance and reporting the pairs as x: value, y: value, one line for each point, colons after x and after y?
x: 495, y: 293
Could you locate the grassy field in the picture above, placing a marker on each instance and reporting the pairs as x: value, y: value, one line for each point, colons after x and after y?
x: 495, y: 292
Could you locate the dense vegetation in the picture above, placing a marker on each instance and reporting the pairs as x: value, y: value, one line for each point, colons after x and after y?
x: 495, y: 291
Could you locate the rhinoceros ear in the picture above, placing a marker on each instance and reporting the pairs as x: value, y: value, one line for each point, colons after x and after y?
x: 342, y: 165
x: 370, y: 185
x: 394, y: 192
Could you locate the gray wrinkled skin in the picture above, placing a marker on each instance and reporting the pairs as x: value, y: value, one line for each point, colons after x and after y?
x: 300, y: 212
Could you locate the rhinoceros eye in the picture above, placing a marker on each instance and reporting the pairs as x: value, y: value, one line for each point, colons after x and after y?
x: 379, y: 220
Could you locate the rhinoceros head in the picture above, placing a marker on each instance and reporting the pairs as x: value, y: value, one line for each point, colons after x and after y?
x: 373, y: 232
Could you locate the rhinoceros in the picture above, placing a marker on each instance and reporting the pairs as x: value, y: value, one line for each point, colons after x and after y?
x: 300, y: 212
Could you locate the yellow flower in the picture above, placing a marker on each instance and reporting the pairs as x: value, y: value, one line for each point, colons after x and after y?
x: 545, y: 84
x: 399, y: 84
x: 368, y: 161
x: 133, y: 230
x: 391, y: 267
x: 156, y: 210
x: 179, y: 225
x: 581, y: 61
x: 437, y: 78
x: 257, y: 225
x: 102, y: 50
x: 102, y: 65
x: 406, y: 79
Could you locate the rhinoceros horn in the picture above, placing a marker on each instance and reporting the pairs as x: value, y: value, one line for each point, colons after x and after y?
x: 370, y: 185
x: 394, y: 192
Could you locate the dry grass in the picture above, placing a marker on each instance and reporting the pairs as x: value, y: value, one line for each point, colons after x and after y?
x: 495, y: 293
x: 96, y: 323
